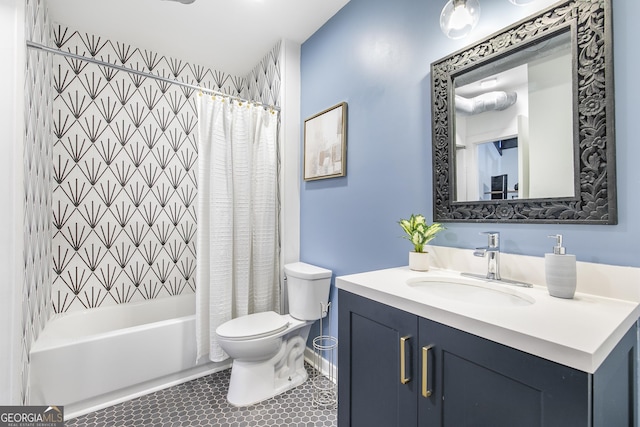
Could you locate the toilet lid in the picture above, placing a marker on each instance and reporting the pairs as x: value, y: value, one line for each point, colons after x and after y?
x: 255, y: 325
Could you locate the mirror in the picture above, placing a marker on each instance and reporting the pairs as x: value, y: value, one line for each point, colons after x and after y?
x: 523, y: 122
x: 514, y: 125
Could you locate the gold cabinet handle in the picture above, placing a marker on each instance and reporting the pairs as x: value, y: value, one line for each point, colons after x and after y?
x: 425, y: 369
x: 404, y: 379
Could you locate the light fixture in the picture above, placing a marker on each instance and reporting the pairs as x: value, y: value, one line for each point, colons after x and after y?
x: 521, y: 2
x: 459, y: 17
x: 489, y: 83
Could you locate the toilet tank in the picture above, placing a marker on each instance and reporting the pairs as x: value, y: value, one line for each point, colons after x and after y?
x: 307, y: 288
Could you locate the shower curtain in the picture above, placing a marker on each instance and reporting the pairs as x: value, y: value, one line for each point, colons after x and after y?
x: 238, y: 236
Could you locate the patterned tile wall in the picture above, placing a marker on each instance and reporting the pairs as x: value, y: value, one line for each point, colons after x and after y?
x: 36, y: 290
x: 124, y: 169
x: 263, y: 82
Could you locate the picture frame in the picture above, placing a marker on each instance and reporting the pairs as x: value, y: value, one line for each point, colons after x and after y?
x: 325, y: 144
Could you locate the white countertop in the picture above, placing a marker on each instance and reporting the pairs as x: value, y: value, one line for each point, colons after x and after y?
x: 578, y: 332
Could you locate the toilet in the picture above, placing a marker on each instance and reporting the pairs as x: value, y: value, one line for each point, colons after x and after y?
x: 268, y: 348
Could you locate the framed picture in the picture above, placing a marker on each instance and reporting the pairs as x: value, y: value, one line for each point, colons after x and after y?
x: 325, y: 144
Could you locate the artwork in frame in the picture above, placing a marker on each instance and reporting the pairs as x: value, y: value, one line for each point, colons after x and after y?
x: 325, y: 143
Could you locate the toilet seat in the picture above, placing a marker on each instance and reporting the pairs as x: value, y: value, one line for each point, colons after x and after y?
x: 252, y: 326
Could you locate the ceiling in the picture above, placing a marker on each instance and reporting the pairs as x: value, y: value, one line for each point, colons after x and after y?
x: 227, y: 35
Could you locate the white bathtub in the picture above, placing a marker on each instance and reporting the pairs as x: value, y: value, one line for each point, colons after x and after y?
x: 91, y: 359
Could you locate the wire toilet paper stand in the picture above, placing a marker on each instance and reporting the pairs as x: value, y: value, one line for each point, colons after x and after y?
x: 325, y: 379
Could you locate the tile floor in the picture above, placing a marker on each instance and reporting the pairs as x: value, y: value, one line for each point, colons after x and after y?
x: 202, y: 402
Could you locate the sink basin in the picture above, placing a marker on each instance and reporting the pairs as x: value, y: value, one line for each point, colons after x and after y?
x: 471, y: 291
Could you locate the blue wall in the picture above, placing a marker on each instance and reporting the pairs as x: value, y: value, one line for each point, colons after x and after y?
x: 376, y: 56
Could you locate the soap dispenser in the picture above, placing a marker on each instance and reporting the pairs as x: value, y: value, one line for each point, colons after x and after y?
x: 560, y: 271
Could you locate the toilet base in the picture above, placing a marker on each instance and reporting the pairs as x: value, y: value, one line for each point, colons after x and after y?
x: 263, y: 386
x: 253, y: 382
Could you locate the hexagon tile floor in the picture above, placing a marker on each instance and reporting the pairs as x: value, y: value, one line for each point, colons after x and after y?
x: 203, y: 402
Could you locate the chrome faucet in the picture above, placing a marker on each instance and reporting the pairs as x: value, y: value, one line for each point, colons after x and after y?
x: 492, y: 252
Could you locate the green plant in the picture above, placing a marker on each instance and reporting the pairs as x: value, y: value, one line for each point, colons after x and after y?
x: 418, y: 232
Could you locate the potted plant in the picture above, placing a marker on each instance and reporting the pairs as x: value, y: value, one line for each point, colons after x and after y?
x: 419, y: 234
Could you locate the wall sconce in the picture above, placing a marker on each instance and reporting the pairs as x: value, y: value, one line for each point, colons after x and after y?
x: 459, y: 17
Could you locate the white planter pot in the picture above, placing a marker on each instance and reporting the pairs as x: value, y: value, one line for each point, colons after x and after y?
x: 419, y: 261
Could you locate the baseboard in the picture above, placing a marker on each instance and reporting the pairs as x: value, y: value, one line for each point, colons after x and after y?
x: 113, y: 398
x: 325, y: 367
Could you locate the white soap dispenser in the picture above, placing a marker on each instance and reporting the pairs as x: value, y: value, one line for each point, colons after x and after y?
x: 560, y: 271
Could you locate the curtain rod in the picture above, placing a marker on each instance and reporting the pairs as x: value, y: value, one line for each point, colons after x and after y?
x: 142, y: 73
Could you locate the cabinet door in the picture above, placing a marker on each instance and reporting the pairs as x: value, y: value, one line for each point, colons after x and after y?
x: 476, y: 382
x: 614, y: 385
x: 373, y: 389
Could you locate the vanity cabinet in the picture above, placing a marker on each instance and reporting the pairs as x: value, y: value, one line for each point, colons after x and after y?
x: 399, y: 369
x: 371, y: 390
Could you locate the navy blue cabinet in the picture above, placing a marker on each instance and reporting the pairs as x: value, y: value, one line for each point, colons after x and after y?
x: 476, y: 382
x: 398, y: 369
x: 378, y: 370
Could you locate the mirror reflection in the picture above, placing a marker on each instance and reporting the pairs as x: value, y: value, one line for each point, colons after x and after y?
x: 514, y: 125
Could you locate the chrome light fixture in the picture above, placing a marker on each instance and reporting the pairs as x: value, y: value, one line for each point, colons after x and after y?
x: 459, y: 17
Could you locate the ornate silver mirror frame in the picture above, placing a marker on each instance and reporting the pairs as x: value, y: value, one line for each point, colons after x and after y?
x: 589, y: 23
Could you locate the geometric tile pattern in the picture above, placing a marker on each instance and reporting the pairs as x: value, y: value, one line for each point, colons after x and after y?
x: 203, y: 402
x: 125, y: 167
x: 263, y: 82
x: 37, y: 155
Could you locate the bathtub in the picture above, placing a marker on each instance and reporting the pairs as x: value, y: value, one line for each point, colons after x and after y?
x: 91, y: 359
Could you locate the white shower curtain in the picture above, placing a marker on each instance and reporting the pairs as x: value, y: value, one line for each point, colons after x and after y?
x: 238, y: 237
